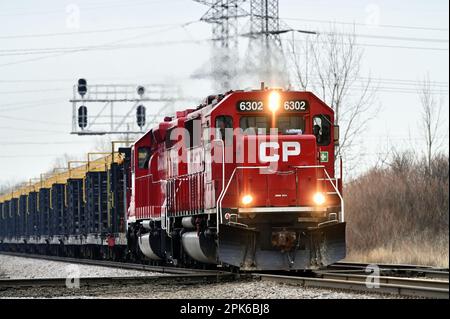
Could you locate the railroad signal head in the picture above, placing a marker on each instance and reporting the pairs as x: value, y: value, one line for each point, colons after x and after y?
x: 82, y: 116
x: 140, y: 90
x: 82, y: 87
x: 140, y: 116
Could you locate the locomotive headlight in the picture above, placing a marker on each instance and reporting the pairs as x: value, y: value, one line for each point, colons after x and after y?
x: 246, y: 199
x: 319, y: 198
x: 274, y: 101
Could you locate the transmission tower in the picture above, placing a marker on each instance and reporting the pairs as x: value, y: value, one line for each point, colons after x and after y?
x: 265, y: 57
x: 223, y: 16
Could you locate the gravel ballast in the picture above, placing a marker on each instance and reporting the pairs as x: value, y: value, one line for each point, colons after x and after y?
x: 19, y: 267
x: 232, y: 290
x: 13, y: 267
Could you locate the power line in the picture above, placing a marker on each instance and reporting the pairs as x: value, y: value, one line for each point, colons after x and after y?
x: 391, y: 90
x: 28, y: 106
x: 39, y: 35
x: 402, y: 47
x: 30, y: 120
x: 97, y: 47
x: 65, y: 50
x: 35, y: 91
x: 386, y: 46
x: 36, y: 80
x: 41, y: 143
x: 103, y: 46
x: 106, y: 6
x: 387, y: 37
x: 68, y: 50
x: 402, y: 83
x: 378, y: 25
x: 377, y: 79
x: 32, y: 130
x: 28, y: 156
x: 28, y: 102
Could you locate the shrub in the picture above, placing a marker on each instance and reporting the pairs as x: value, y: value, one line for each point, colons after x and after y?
x: 399, y: 213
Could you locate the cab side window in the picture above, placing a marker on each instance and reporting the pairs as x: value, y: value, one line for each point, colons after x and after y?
x: 322, y: 129
x: 144, y: 154
x: 224, y: 124
x: 193, y: 128
x: 169, y: 141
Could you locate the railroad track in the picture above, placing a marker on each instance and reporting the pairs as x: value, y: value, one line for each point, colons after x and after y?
x: 391, y: 269
x: 387, y: 285
x: 116, y: 264
x: 343, y: 275
x: 114, y: 281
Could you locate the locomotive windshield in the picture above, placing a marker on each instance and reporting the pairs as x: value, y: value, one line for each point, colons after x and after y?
x: 290, y: 125
x: 259, y: 125
x: 254, y: 125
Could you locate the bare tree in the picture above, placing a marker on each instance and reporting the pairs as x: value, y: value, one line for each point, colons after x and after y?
x: 330, y: 65
x: 431, y: 113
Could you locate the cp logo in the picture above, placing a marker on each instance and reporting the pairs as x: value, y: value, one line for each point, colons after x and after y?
x: 287, y: 149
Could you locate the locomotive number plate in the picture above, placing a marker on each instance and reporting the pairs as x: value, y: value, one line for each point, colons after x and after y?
x: 296, y: 106
x: 260, y: 106
x: 250, y: 106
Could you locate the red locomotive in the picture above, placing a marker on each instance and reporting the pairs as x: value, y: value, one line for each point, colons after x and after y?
x: 247, y: 180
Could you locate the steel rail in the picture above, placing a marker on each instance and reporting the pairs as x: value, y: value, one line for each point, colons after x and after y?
x: 117, y: 264
x: 418, y: 270
x: 388, y: 280
x: 124, y: 280
x: 423, y: 290
x: 382, y: 265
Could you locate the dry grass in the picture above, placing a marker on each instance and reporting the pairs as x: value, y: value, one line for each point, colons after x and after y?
x: 399, y: 214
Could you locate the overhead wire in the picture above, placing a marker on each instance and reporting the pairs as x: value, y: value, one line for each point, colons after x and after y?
x: 112, y: 43
x: 31, y: 120
x: 55, y: 34
x: 84, y: 8
x: 407, y: 27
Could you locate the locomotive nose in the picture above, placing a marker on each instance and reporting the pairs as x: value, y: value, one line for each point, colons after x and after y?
x: 283, y: 183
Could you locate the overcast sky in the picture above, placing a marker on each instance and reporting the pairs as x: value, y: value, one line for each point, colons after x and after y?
x: 159, y: 41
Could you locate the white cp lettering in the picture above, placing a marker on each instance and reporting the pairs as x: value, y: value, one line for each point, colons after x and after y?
x: 262, y: 152
x: 288, y: 148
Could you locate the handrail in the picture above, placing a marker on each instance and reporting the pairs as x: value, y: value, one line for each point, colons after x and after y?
x: 223, y: 193
x: 332, y: 184
x: 339, y: 194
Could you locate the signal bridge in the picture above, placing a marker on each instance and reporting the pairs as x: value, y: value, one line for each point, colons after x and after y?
x: 120, y: 109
